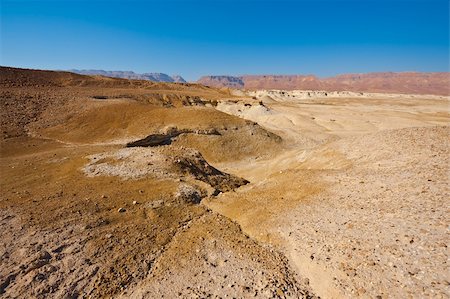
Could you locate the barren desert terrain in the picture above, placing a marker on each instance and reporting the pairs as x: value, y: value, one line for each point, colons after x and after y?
x: 137, y: 189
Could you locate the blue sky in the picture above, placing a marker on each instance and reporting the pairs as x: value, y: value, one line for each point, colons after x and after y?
x: 194, y: 38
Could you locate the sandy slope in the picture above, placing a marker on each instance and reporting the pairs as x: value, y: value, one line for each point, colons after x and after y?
x: 359, y: 200
x: 380, y: 227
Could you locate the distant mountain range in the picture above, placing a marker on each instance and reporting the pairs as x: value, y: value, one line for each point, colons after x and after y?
x: 156, y: 77
x: 405, y: 82
x: 389, y: 82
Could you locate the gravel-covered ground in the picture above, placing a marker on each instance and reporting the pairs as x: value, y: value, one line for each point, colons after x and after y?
x: 381, y: 226
x: 359, y: 200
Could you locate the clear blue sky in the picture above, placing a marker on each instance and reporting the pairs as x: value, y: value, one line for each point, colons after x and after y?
x: 194, y: 38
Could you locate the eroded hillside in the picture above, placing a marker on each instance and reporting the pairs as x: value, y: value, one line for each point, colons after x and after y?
x: 127, y: 188
x: 85, y: 215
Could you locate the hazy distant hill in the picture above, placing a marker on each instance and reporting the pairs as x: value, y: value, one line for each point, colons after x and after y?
x: 156, y: 77
x: 407, y: 82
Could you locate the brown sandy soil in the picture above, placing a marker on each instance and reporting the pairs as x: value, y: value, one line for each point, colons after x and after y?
x: 359, y: 201
x: 84, y: 216
x: 290, y: 198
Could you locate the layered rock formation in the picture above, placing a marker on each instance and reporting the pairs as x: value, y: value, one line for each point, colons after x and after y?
x: 407, y: 82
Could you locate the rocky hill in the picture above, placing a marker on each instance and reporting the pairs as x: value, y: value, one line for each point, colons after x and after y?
x: 407, y: 82
x: 222, y: 81
x: 26, y: 95
x: 156, y: 77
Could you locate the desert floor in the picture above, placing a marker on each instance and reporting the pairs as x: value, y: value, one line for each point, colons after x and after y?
x: 359, y: 199
x: 261, y: 194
